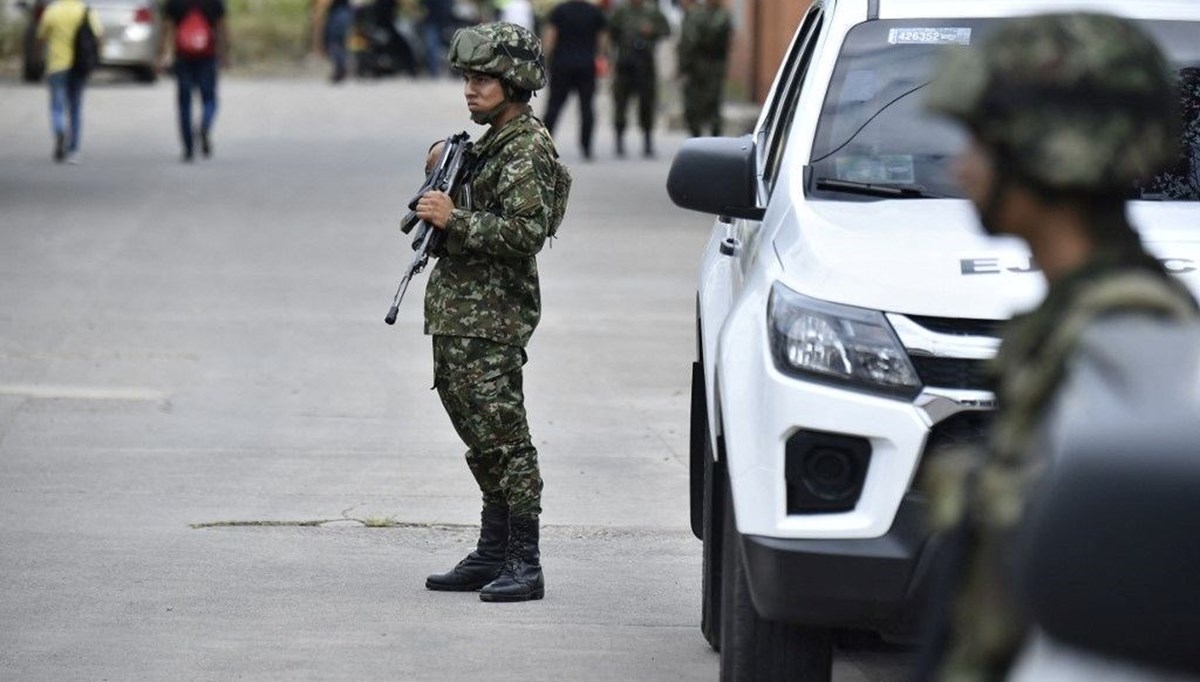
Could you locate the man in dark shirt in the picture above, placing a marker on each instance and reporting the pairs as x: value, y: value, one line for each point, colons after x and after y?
x: 196, y: 31
x: 438, y: 18
x: 574, y: 32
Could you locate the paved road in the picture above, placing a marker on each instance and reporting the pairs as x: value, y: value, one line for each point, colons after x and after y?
x: 194, y: 370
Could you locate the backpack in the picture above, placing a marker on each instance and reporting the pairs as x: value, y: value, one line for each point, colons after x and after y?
x: 562, y: 190
x: 194, y: 36
x: 87, y: 46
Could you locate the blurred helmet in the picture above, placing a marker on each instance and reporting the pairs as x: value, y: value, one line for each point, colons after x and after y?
x: 1073, y: 102
x: 507, y: 51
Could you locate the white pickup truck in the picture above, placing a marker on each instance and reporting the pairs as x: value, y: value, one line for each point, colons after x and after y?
x: 847, y: 304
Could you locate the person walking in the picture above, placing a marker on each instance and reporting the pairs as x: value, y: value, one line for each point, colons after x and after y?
x: 573, y: 39
x: 703, y: 49
x: 56, y: 33
x: 483, y: 302
x: 438, y: 18
x: 635, y: 28
x: 331, y: 25
x: 1066, y: 113
x: 196, y: 31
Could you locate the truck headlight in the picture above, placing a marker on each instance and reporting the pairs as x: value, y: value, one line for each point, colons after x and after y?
x: 837, y: 344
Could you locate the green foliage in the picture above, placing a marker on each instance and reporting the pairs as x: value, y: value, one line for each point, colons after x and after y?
x: 269, y: 30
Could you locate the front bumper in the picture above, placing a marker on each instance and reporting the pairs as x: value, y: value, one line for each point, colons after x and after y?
x: 877, y: 583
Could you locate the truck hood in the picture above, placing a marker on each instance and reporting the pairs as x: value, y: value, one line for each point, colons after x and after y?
x: 931, y: 257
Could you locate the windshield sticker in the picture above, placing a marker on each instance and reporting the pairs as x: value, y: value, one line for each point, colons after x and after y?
x: 929, y: 36
x: 891, y: 169
x: 859, y: 86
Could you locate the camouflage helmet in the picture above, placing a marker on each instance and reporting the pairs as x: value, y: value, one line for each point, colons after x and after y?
x: 507, y: 51
x: 1071, y: 102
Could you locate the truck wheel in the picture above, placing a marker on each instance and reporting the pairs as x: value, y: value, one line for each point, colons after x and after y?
x: 714, y: 495
x: 754, y: 649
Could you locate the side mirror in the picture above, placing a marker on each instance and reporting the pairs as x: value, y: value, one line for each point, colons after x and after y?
x: 715, y: 175
x: 1109, y: 557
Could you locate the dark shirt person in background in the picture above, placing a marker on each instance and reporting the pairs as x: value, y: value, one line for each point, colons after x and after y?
x: 573, y: 39
x: 195, y: 30
x: 438, y: 19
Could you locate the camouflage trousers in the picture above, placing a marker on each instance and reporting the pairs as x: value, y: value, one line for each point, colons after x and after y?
x: 702, y: 90
x: 480, y: 384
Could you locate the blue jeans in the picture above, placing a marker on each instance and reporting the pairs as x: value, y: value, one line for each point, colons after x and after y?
x: 66, y: 103
x: 193, y: 74
x: 435, y: 52
x: 337, y: 25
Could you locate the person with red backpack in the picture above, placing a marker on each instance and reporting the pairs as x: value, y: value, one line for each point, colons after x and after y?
x: 195, y: 29
x: 70, y: 33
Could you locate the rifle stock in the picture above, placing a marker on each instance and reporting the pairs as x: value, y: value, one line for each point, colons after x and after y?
x: 445, y: 176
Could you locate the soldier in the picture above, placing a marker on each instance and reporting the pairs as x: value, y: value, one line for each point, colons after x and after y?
x: 483, y: 302
x: 635, y: 29
x: 703, y: 47
x: 1066, y: 114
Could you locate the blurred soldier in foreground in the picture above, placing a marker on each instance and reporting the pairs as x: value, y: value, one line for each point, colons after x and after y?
x: 703, y: 47
x: 483, y: 302
x: 635, y: 28
x: 1066, y: 114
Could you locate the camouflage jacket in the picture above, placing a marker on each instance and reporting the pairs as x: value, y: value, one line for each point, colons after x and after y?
x: 704, y: 38
x: 485, y: 283
x: 635, y: 31
x: 984, y: 494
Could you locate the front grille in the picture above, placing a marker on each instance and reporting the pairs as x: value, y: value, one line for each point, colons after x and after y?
x: 959, y: 326
x: 957, y: 373
x: 964, y: 429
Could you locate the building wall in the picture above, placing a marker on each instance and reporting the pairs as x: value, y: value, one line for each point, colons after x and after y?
x: 764, y: 32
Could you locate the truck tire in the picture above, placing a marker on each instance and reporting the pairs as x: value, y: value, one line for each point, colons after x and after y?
x: 714, y: 528
x: 754, y: 649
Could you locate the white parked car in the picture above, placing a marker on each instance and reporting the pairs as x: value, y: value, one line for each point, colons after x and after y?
x: 848, y: 302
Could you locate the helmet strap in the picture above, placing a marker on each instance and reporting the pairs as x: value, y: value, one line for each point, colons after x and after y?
x: 486, y: 117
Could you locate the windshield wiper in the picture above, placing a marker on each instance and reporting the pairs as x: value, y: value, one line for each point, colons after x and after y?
x: 874, y: 190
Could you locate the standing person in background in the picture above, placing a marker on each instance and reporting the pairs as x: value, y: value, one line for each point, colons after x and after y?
x: 519, y: 12
x: 573, y: 39
x: 636, y: 27
x: 703, y: 49
x: 196, y: 30
x: 438, y: 18
x: 331, y: 24
x: 56, y: 31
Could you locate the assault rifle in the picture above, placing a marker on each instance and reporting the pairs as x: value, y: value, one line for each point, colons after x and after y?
x: 446, y: 176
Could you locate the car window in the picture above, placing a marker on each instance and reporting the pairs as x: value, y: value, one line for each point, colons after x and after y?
x: 783, y: 107
x: 874, y: 129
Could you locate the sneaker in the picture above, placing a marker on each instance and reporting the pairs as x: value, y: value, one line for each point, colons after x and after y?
x: 73, y: 158
x: 205, y: 144
x: 60, y: 147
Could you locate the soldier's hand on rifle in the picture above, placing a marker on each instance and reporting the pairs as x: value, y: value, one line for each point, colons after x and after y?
x: 434, y: 152
x: 434, y: 208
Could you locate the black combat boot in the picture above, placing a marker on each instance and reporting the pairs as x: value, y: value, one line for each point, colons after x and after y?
x: 621, y: 144
x: 648, y: 145
x: 483, y: 565
x: 521, y: 578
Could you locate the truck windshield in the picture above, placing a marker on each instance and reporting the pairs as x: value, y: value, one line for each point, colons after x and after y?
x: 874, y: 133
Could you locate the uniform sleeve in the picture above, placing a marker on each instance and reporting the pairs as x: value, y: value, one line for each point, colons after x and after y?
x: 662, y: 29
x: 520, y: 228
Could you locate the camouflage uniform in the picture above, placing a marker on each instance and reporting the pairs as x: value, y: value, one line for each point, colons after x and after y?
x: 1075, y: 105
x: 635, y: 30
x: 483, y: 303
x: 703, y: 47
